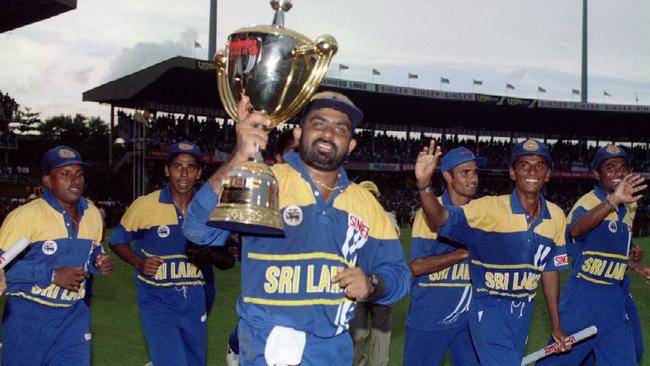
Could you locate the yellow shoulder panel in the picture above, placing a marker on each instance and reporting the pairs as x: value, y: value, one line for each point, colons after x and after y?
x: 587, y: 202
x: 631, y: 213
x: 421, y: 228
x: 294, y: 190
x: 35, y: 220
x: 493, y: 214
x: 91, y: 225
x: 361, y: 203
x: 555, y: 227
x: 146, y: 212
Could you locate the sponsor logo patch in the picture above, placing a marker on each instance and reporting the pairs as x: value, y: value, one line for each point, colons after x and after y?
x: 531, y: 145
x: 612, y: 226
x: 67, y: 154
x: 359, y: 225
x: 561, y: 260
x: 185, y: 147
x: 292, y: 215
x: 163, y: 231
x: 49, y: 247
x: 614, y: 150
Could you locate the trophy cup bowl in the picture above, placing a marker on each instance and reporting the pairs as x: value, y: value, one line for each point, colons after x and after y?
x: 279, y: 70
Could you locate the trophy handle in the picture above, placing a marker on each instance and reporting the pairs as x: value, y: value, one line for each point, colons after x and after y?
x: 325, y: 47
x: 227, y: 98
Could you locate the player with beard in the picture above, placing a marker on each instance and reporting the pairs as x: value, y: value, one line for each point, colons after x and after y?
x: 170, y: 286
x: 441, y: 291
x: 339, y: 245
x: 600, y: 235
x: 513, y: 241
x: 46, y: 320
x: 286, y: 143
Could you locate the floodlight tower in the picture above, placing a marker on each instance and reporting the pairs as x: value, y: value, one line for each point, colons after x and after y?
x: 583, y: 86
x: 212, y: 38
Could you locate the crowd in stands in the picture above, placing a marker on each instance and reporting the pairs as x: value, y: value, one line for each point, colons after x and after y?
x: 397, y: 189
x: 374, y: 146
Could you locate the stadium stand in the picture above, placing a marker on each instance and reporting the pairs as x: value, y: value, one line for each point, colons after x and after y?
x: 180, y: 99
x: 17, y: 13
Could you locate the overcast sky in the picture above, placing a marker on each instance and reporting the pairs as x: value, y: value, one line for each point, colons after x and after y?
x: 527, y: 43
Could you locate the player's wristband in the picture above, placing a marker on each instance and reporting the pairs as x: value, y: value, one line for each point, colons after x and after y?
x: 611, y: 204
x: 427, y: 189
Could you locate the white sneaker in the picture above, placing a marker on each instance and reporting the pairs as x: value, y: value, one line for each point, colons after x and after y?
x: 232, y: 358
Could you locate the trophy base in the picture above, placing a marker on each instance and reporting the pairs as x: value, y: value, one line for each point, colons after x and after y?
x: 247, y: 219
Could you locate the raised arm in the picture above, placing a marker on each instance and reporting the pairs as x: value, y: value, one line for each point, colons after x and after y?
x: 437, y: 262
x: 425, y: 166
x: 624, y: 193
x: 249, y: 135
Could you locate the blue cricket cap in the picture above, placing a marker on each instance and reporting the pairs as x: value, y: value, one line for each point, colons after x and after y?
x: 459, y: 156
x: 609, y: 152
x: 334, y: 100
x: 60, y: 156
x: 185, y: 147
x: 530, y: 147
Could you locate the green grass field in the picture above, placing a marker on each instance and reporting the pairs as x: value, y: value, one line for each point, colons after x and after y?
x: 118, y: 338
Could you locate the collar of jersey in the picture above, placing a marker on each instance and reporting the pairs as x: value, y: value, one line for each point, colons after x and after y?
x: 165, y: 195
x: 599, y: 193
x: 518, y: 209
x: 82, y: 205
x: 293, y: 159
x: 446, y: 200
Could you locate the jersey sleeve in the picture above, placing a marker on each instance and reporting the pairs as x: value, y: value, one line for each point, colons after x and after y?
x: 573, y: 216
x: 18, y: 225
x: 385, y: 257
x: 423, y: 242
x: 96, y: 250
x: 464, y: 223
x: 129, y: 227
x: 14, y: 228
x: 195, y: 226
x: 558, y: 260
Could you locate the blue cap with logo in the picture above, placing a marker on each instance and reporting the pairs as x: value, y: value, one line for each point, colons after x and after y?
x: 530, y: 147
x: 609, y: 152
x: 185, y: 147
x: 60, y: 156
x: 459, y: 156
x: 334, y: 100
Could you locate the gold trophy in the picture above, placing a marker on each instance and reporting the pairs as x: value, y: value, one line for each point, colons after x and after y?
x: 279, y: 70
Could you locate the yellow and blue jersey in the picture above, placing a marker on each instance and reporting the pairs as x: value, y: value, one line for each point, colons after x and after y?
x: 439, y: 300
x: 507, y: 250
x: 601, y: 255
x: 288, y: 280
x: 155, y: 224
x: 54, y: 243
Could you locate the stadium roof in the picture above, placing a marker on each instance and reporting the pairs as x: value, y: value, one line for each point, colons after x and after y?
x: 186, y: 85
x: 17, y: 13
